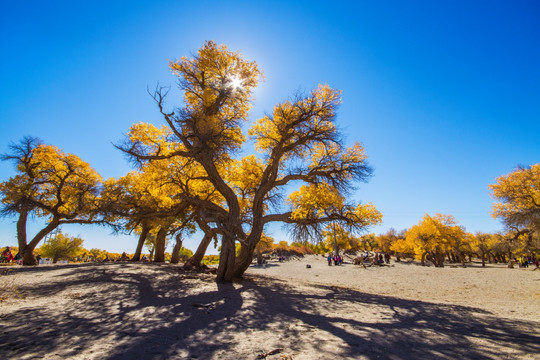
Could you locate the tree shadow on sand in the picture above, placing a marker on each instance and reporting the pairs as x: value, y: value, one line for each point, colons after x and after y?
x: 126, y: 311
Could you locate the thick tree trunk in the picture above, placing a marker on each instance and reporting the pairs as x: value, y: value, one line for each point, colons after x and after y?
x: 28, y: 255
x: 259, y: 257
x: 21, y: 232
x: 195, y: 260
x: 144, y: 232
x: 247, y: 250
x: 159, y: 248
x: 175, y: 257
x: 440, y: 259
x: 227, y: 257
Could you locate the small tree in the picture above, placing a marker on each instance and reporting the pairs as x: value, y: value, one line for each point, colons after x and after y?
x: 61, y: 247
x: 482, y: 245
x: 434, y: 236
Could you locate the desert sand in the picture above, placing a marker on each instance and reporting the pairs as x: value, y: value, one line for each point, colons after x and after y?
x: 279, y: 311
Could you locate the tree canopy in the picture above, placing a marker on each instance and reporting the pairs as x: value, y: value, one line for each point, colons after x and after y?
x: 51, y: 184
x: 518, y: 199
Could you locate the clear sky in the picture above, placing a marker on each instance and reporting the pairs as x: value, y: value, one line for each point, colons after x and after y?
x: 444, y: 95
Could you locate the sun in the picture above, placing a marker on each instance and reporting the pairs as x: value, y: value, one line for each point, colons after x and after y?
x: 235, y: 82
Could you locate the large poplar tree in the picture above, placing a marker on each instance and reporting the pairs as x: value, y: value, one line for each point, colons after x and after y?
x: 298, y: 143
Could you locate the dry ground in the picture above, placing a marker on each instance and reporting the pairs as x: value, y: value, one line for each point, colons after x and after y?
x: 281, y: 310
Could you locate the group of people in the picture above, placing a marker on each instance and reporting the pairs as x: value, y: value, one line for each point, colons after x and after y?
x: 524, y: 261
x: 7, y: 256
x: 337, y: 259
x: 376, y: 259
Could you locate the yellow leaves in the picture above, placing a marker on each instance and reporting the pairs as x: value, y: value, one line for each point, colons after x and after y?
x: 366, y: 215
x: 60, y: 183
x: 311, y: 116
x: 322, y: 201
x: 519, y: 197
x: 438, y: 233
x: 265, y: 243
x: 148, y: 134
x: 62, y: 247
x: 335, y: 233
x: 245, y: 173
x: 217, y: 86
x: 313, y: 201
x: 154, y: 139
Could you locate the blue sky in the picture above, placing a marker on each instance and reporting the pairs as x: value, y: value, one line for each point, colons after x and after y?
x: 444, y: 95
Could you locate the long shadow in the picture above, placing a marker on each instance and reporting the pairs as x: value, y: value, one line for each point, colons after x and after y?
x: 159, y: 312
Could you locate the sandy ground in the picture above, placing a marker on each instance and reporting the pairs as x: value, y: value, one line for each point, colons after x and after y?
x: 280, y: 311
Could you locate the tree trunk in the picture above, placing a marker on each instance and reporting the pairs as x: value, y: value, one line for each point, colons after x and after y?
x: 21, y: 232
x: 259, y: 257
x: 151, y: 257
x: 175, y: 257
x: 144, y: 232
x: 160, y: 244
x: 483, y: 259
x: 227, y: 257
x: 439, y: 259
x: 28, y: 255
x: 336, y: 249
x: 195, y: 260
x: 244, y: 259
x: 423, y: 259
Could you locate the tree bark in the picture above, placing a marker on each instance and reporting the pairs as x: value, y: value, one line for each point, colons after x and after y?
x: 159, y: 248
x: 195, y: 260
x: 175, y: 257
x: 21, y: 231
x: 247, y: 250
x: 28, y: 255
x: 483, y: 259
x: 144, y: 232
x: 227, y: 257
x: 439, y: 259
